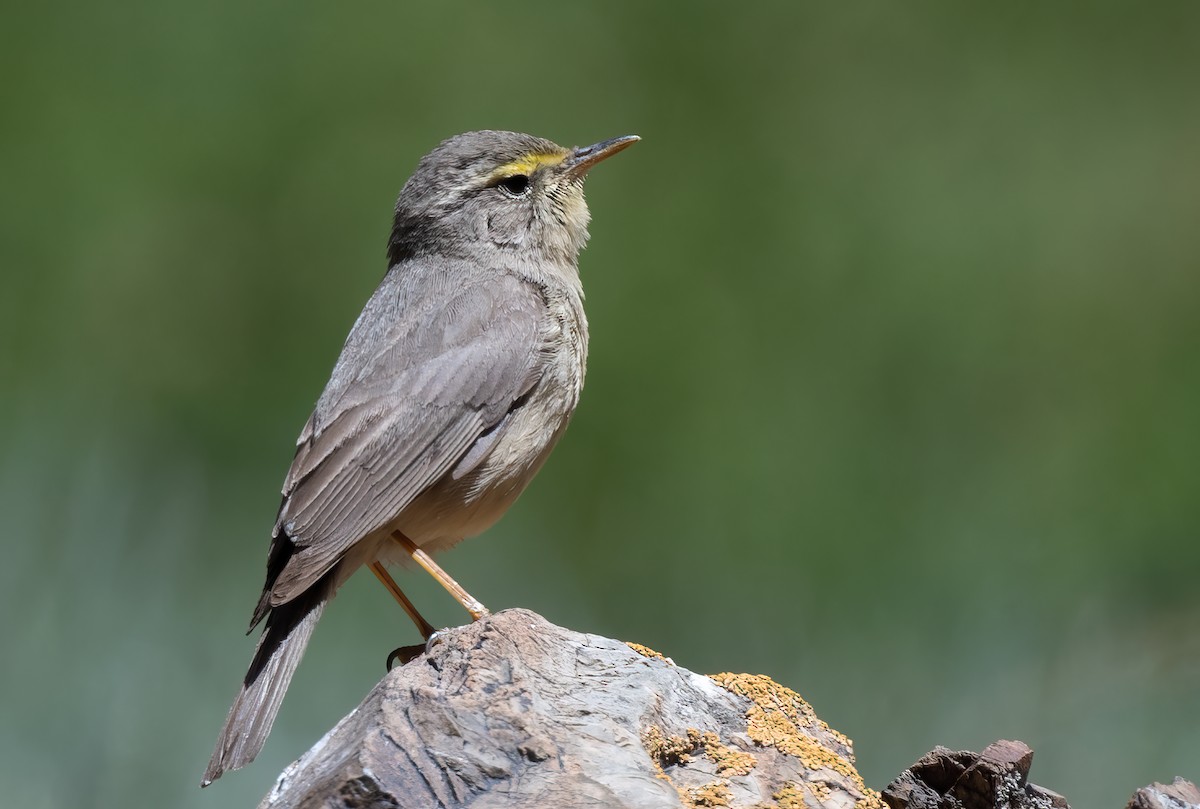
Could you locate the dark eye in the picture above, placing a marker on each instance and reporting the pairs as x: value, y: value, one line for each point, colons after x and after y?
x: 516, y: 185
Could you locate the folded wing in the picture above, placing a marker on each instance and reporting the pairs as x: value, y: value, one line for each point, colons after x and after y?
x: 437, y: 358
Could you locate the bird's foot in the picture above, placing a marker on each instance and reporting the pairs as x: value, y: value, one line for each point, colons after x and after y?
x: 404, y: 654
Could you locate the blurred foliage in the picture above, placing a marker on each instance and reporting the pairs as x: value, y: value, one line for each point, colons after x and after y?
x: 893, y: 390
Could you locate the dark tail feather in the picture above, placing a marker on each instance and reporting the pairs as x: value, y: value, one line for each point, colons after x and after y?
x: 289, y: 627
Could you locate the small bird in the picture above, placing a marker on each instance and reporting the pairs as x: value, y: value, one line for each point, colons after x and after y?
x: 454, y: 385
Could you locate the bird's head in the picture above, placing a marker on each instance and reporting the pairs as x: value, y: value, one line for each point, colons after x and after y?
x: 504, y: 192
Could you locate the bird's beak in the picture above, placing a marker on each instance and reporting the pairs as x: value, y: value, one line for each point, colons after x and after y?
x: 580, y: 160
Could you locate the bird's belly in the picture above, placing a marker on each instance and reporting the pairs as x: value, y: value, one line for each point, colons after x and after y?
x: 453, y: 509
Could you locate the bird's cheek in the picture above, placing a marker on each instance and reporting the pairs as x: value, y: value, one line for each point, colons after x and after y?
x: 506, y: 230
x: 481, y: 226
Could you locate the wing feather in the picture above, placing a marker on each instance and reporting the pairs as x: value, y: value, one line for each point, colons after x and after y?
x: 436, y: 360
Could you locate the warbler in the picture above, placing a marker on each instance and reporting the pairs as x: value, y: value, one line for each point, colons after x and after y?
x: 454, y: 384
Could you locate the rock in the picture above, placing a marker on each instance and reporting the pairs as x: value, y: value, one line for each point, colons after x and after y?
x: 997, y: 778
x: 512, y: 711
x: 1180, y: 794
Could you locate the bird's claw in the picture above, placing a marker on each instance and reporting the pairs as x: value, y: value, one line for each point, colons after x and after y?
x: 404, y: 654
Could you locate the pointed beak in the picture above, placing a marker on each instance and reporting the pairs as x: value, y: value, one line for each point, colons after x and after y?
x: 580, y: 160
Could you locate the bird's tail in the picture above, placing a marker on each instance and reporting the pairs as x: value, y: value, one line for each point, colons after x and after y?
x: 289, y: 627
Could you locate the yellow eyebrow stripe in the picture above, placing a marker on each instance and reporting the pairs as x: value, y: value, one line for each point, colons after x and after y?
x: 529, y: 163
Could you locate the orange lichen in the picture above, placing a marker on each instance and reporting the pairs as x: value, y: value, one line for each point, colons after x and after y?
x: 667, y: 751
x: 730, y: 762
x: 671, y: 750
x: 790, y: 797
x: 646, y: 651
x: 778, y: 717
x: 715, y: 793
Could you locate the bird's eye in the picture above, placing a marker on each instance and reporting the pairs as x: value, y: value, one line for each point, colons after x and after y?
x: 515, y: 185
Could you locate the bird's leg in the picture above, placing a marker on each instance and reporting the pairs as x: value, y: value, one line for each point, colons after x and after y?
x: 424, y: 627
x: 470, y: 604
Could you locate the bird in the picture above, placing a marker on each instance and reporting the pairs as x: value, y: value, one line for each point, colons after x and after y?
x: 454, y: 384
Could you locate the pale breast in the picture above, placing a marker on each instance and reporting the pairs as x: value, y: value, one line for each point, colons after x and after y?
x: 453, y: 509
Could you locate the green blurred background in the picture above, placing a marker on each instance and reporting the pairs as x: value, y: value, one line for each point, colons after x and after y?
x: 893, y: 390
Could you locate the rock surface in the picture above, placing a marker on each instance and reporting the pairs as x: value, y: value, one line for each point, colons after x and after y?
x: 512, y: 711
x: 997, y: 777
x: 1180, y: 794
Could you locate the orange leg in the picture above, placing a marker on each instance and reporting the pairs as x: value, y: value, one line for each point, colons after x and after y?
x: 470, y: 604
x: 424, y: 627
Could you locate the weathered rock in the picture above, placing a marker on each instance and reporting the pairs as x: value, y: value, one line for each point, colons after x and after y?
x: 997, y: 778
x: 1180, y: 794
x: 512, y: 711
